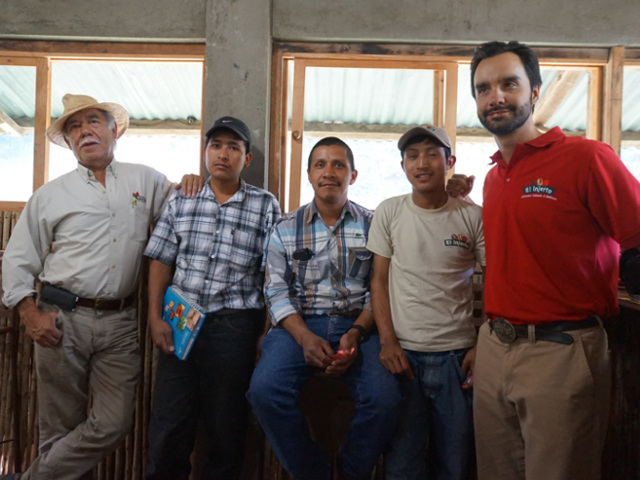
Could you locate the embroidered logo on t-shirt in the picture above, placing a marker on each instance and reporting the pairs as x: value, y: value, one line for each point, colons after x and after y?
x: 457, y: 240
x: 539, y: 188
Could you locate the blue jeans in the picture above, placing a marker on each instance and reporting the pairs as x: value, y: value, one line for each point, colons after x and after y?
x: 435, y: 435
x: 274, y: 391
x: 209, y: 385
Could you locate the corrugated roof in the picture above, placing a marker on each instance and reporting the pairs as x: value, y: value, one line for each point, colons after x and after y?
x: 172, y: 91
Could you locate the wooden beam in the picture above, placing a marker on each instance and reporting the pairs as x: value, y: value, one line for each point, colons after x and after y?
x: 438, y: 97
x: 9, y: 126
x: 555, y: 94
x: 297, y: 132
x: 43, y: 116
x: 612, y: 99
x: 594, y: 104
x: 158, y: 51
x: 278, y: 127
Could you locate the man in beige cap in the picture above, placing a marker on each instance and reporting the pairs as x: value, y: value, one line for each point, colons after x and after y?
x: 82, y: 236
x: 426, y: 246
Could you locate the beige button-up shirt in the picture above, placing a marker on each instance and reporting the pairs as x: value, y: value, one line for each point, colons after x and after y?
x: 85, y: 237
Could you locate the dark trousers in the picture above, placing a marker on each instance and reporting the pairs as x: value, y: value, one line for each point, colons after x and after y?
x: 209, y: 386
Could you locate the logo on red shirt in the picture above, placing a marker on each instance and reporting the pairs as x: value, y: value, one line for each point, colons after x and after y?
x: 458, y: 240
x: 539, y: 188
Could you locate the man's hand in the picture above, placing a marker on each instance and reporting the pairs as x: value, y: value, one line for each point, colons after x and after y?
x: 316, y: 350
x: 190, y: 184
x: 394, y: 359
x: 459, y: 185
x: 348, y: 343
x: 161, y: 334
x: 41, y: 326
x: 468, y: 364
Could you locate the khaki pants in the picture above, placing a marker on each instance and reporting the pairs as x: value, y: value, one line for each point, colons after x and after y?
x: 99, y: 354
x: 541, y: 408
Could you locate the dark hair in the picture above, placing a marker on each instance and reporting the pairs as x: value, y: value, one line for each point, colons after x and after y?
x: 331, y: 141
x: 527, y: 56
x: 422, y: 138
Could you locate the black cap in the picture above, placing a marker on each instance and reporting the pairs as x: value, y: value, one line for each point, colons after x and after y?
x: 230, y: 123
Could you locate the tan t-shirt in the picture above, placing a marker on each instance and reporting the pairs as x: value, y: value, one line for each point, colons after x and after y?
x: 433, y: 256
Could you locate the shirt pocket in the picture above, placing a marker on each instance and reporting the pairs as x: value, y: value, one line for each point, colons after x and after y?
x: 359, y: 262
x: 243, y: 256
x: 139, y: 224
x: 307, y: 272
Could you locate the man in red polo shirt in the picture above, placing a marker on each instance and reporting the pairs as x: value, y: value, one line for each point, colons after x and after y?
x: 555, y: 210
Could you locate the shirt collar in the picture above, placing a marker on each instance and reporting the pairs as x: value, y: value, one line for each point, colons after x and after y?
x: 541, y: 141
x: 311, y: 211
x: 87, y: 175
x: 236, y: 197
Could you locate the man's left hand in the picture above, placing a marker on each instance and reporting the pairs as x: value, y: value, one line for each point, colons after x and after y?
x: 190, y: 184
x: 348, y: 345
x: 468, y: 364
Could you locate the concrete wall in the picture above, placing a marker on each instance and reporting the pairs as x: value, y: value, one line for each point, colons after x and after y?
x: 238, y: 33
x: 558, y: 22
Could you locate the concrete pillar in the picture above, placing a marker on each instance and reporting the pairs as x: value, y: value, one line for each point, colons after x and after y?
x: 238, y: 72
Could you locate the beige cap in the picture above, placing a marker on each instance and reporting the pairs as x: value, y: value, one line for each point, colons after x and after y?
x: 437, y: 133
x: 75, y: 103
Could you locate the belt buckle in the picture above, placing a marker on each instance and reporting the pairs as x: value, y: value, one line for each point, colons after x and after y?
x: 504, y: 330
x: 96, y: 303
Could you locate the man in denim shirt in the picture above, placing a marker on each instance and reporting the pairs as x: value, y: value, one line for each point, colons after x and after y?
x: 317, y: 291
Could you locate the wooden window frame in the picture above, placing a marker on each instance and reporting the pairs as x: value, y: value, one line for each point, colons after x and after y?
x: 42, y: 54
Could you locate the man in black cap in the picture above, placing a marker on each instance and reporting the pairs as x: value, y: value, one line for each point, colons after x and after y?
x: 211, y: 248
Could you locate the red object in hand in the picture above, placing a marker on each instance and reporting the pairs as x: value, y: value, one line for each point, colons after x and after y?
x: 340, y: 354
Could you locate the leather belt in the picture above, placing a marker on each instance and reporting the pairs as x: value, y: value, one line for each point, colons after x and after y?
x: 349, y: 313
x: 103, y: 304
x: 507, y: 332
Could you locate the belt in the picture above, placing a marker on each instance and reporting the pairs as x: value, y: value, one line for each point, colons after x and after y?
x: 349, y: 313
x: 103, y: 304
x: 507, y: 332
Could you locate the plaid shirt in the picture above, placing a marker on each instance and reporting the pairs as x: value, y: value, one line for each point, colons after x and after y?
x: 313, y: 269
x: 217, y: 249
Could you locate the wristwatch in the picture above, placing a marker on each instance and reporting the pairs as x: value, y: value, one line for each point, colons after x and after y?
x: 363, y: 333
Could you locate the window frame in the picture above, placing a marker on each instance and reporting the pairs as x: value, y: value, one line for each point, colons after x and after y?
x: 42, y: 54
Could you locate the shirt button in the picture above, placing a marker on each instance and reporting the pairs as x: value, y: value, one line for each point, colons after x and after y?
x: 213, y: 256
x: 508, y: 180
x: 113, y: 214
x: 114, y: 240
x: 113, y: 266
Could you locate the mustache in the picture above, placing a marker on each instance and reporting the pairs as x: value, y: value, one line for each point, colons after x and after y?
x: 88, y: 140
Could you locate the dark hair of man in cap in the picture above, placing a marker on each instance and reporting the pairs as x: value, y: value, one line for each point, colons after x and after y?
x: 422, y: 138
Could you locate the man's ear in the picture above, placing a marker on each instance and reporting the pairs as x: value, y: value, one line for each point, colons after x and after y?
x: 354, y: 175
x: 247, y: 159
x: 535, y: 94
x: 451, y: 161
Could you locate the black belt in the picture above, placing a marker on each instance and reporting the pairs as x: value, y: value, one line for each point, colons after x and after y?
x: 507, y: 332
x: 102, y: 304
x: 349, y: 313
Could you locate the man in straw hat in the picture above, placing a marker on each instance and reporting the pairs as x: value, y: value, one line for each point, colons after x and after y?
x: 82, y: 236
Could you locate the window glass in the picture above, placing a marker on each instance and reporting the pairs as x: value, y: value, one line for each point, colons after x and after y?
x: 17, y: 110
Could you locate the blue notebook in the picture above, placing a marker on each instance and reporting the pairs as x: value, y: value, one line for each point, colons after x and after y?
x: 185, y: 317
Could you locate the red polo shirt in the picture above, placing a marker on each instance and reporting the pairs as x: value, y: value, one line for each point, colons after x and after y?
x: 552, y: 220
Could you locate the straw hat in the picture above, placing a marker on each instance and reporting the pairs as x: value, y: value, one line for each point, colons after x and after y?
x: 75, y: 103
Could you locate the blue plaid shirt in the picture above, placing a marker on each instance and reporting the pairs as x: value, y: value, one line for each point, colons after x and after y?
x: 217, y: 249
x: 313, y: 269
